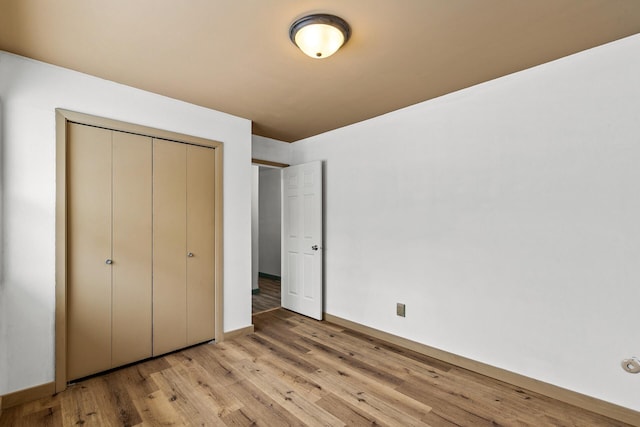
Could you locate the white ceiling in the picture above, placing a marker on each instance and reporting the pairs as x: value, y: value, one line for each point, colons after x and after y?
x: 235, y: 55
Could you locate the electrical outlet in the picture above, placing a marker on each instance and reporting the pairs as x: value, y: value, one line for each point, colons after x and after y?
x: 400, y: 309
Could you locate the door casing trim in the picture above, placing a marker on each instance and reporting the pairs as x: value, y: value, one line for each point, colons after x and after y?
x: 63, y: 118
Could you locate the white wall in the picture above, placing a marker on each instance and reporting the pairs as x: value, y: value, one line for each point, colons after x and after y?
x: 271, y: 149
x: 270, y: 220
x: 29, y: 92
x: 507, y: 218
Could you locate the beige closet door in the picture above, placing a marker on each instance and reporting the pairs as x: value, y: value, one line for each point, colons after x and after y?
x: 109, y: 241
x: 200, y: 244
x: 89, y: 249
x: 169, y: 246
x: 183, y: 245
x: 132, y: 244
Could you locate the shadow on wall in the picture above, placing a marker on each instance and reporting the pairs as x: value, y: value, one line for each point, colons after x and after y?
x: 3, y: 320
x: 2, y: 178
x: 25, y: 293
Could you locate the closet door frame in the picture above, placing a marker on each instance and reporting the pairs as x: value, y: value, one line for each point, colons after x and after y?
x: 63, y: 118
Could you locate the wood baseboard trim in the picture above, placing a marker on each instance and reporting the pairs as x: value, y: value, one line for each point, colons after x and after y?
x: 49, y: 389
x: 27, y: 395
x: 588, y: 403
x: 269, y: 163
x: 238, y: 333
x: 265, y: 311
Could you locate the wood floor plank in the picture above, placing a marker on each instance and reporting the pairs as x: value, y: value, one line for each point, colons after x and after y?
x: 210, y: 390
x: 298, y: 380
x: 373, y: 387
x: 190, y: 401
x: 281, y: 352
x: 80, y: 406
x: 35, y: 406
x: 211, y: 358
x: 362, y: 399
x: 447, y: 407
x: 349, y: 360
x: 156, y: 409
x: 355, y: 393
x: 115, y: 401
x: 267, y: 324
x: 324, y: 361
x: 348, y: 413
x: 260, y: 408
x: 287, y: 397
x: 134, y: 380
x: 50, y: 417
x: 296, y: 371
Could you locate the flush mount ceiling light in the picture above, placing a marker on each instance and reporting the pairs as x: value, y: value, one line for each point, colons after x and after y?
x: 319, y: 35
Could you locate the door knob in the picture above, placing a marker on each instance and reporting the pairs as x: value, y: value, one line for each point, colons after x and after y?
x: 190, y: 254
x: 108, y: 261
x: 314, y: 247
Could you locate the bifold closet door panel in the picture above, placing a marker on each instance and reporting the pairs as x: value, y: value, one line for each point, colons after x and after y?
x: 200, y: 244
x: 89, y: 248
x: 132, y: 245
x: 169, y: 246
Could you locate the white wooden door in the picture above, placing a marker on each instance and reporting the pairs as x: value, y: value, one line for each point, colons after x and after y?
x: 302, y: 239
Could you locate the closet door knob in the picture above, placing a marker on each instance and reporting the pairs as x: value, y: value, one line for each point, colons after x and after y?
x: 108, y: 261
x: 190, y: 254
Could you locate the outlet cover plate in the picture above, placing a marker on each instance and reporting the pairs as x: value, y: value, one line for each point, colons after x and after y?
x: 400, y: 309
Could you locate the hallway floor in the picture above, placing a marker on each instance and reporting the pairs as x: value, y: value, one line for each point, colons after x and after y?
x: 269, y: 296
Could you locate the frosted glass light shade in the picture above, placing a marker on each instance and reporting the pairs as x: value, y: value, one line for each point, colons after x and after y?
x: 319, y: 40
x: 319, y: 36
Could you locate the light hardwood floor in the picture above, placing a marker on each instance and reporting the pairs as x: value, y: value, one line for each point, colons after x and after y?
x: 269, y: 296
x: 297, y: 371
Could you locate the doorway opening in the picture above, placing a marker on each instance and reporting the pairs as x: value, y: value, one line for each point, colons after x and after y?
x: 295, y: 228
x: 266, y: 221
x: 267, y: 297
